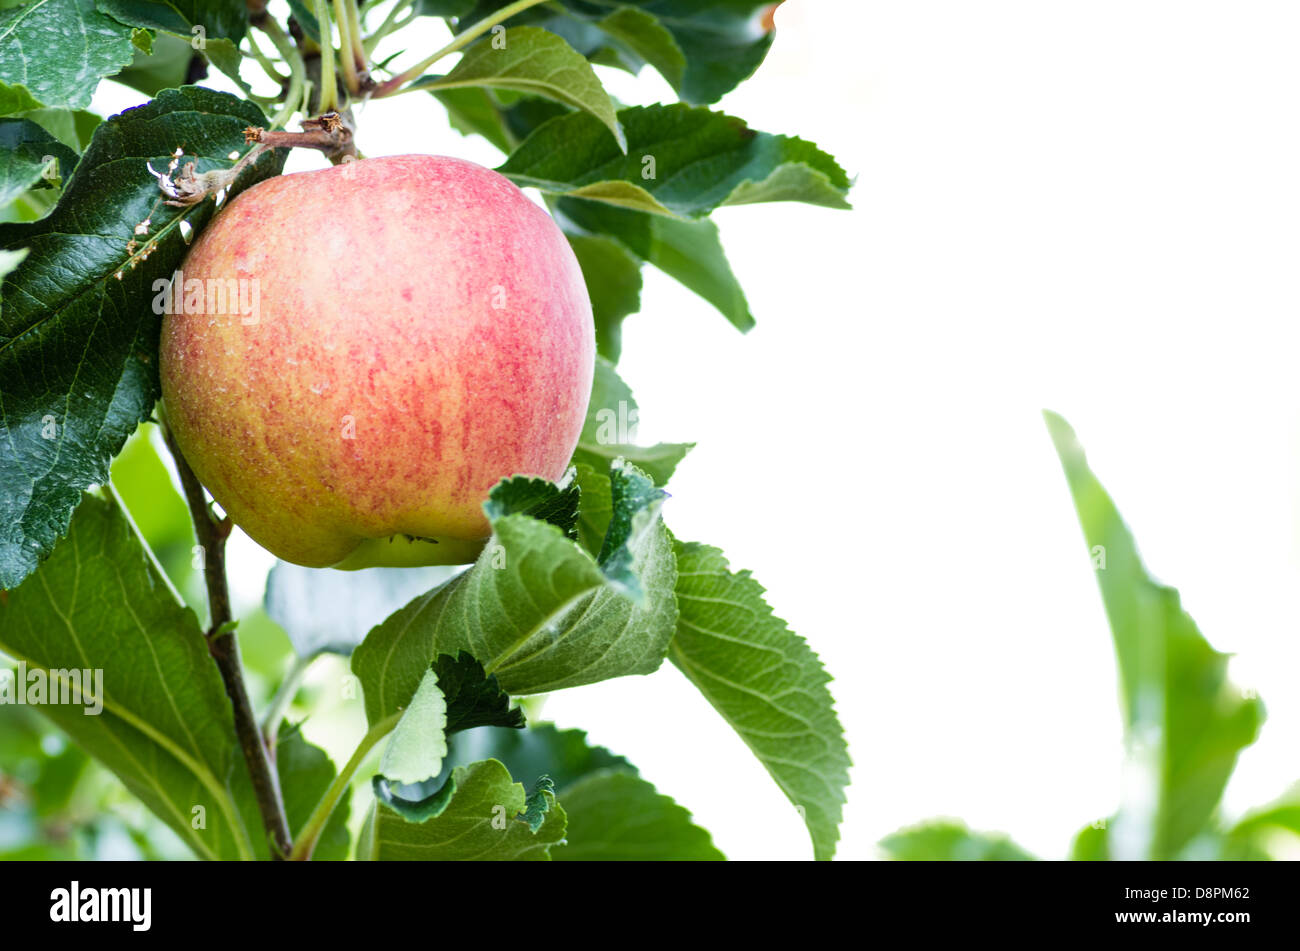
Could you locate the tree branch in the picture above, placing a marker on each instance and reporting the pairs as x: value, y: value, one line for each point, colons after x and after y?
x: 224, y: 648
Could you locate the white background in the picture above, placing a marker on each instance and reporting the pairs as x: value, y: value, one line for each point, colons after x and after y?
x: 1091, y: 207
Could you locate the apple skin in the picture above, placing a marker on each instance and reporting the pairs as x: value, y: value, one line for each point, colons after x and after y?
x: 421, y: 331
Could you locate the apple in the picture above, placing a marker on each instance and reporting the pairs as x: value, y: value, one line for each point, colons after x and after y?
x: 351, y: 358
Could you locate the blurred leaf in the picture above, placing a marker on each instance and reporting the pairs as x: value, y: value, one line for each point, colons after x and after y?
x: 470, y: 110
x: 54, y: 53
x: 305, y: 773
x: 714, y: 45
x: 609, y: 432
x: 690, y: 252
x: 1181, y: 713
x: 534, y: 61
x: 101, y: 603
x: 73, y: 127
x: 328, y: 611
x: 947, y: 840
x: 766, y: 682
x: 167, y: 66
x: 30, y: 156
x: 613, y: 276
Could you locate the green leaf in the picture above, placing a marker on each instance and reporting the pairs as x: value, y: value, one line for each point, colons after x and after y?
x: 766, y: 682
x: 531, y: 60
x: 328, y: 611
x: 690, y: 252
x: 471, y: 111
x: 615, y: 816
x: 101, y: 603
x: 609, y: 432
x: 474, y: 699
x: 78, y: 331
x: 595, y: 508
x: 73, y: 127
x: 948, y: 840
x: 30, y: 156
x: 538, y: 804
x: 612, y: 814
x: 536, y: 610
x: 167, y: 66
x: 613, y: 276
x: 482, y: 816
x: 680, y: 161
x: 543, y: 500
x: 419, y: 741
x: 54, y: 53
x: 306, y: 17
x: 1182, y: 715
x: 214, y: 27
x: 305, y: 773
x: 444, y: 8
x: 720, y: 43
x: 649, y: 39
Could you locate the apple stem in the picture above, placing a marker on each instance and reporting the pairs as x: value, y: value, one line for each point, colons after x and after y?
x: 212, y: 533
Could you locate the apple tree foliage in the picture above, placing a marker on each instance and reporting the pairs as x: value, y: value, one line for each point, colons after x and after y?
x: 581, y: 582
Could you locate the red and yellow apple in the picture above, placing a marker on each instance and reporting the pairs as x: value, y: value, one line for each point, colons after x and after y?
x: 355, y: 356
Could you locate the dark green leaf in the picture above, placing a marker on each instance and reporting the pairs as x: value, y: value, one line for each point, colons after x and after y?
x: 1183, y: 717
x: 474, y: 699
x: 615, y: 816
x: 78, y: 331
x: 539, y: 498
x: 680, y: 160
x: 766, y: 682
x: 650, y: 40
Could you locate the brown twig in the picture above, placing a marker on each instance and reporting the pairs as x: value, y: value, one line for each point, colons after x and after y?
x: 224, y: 648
